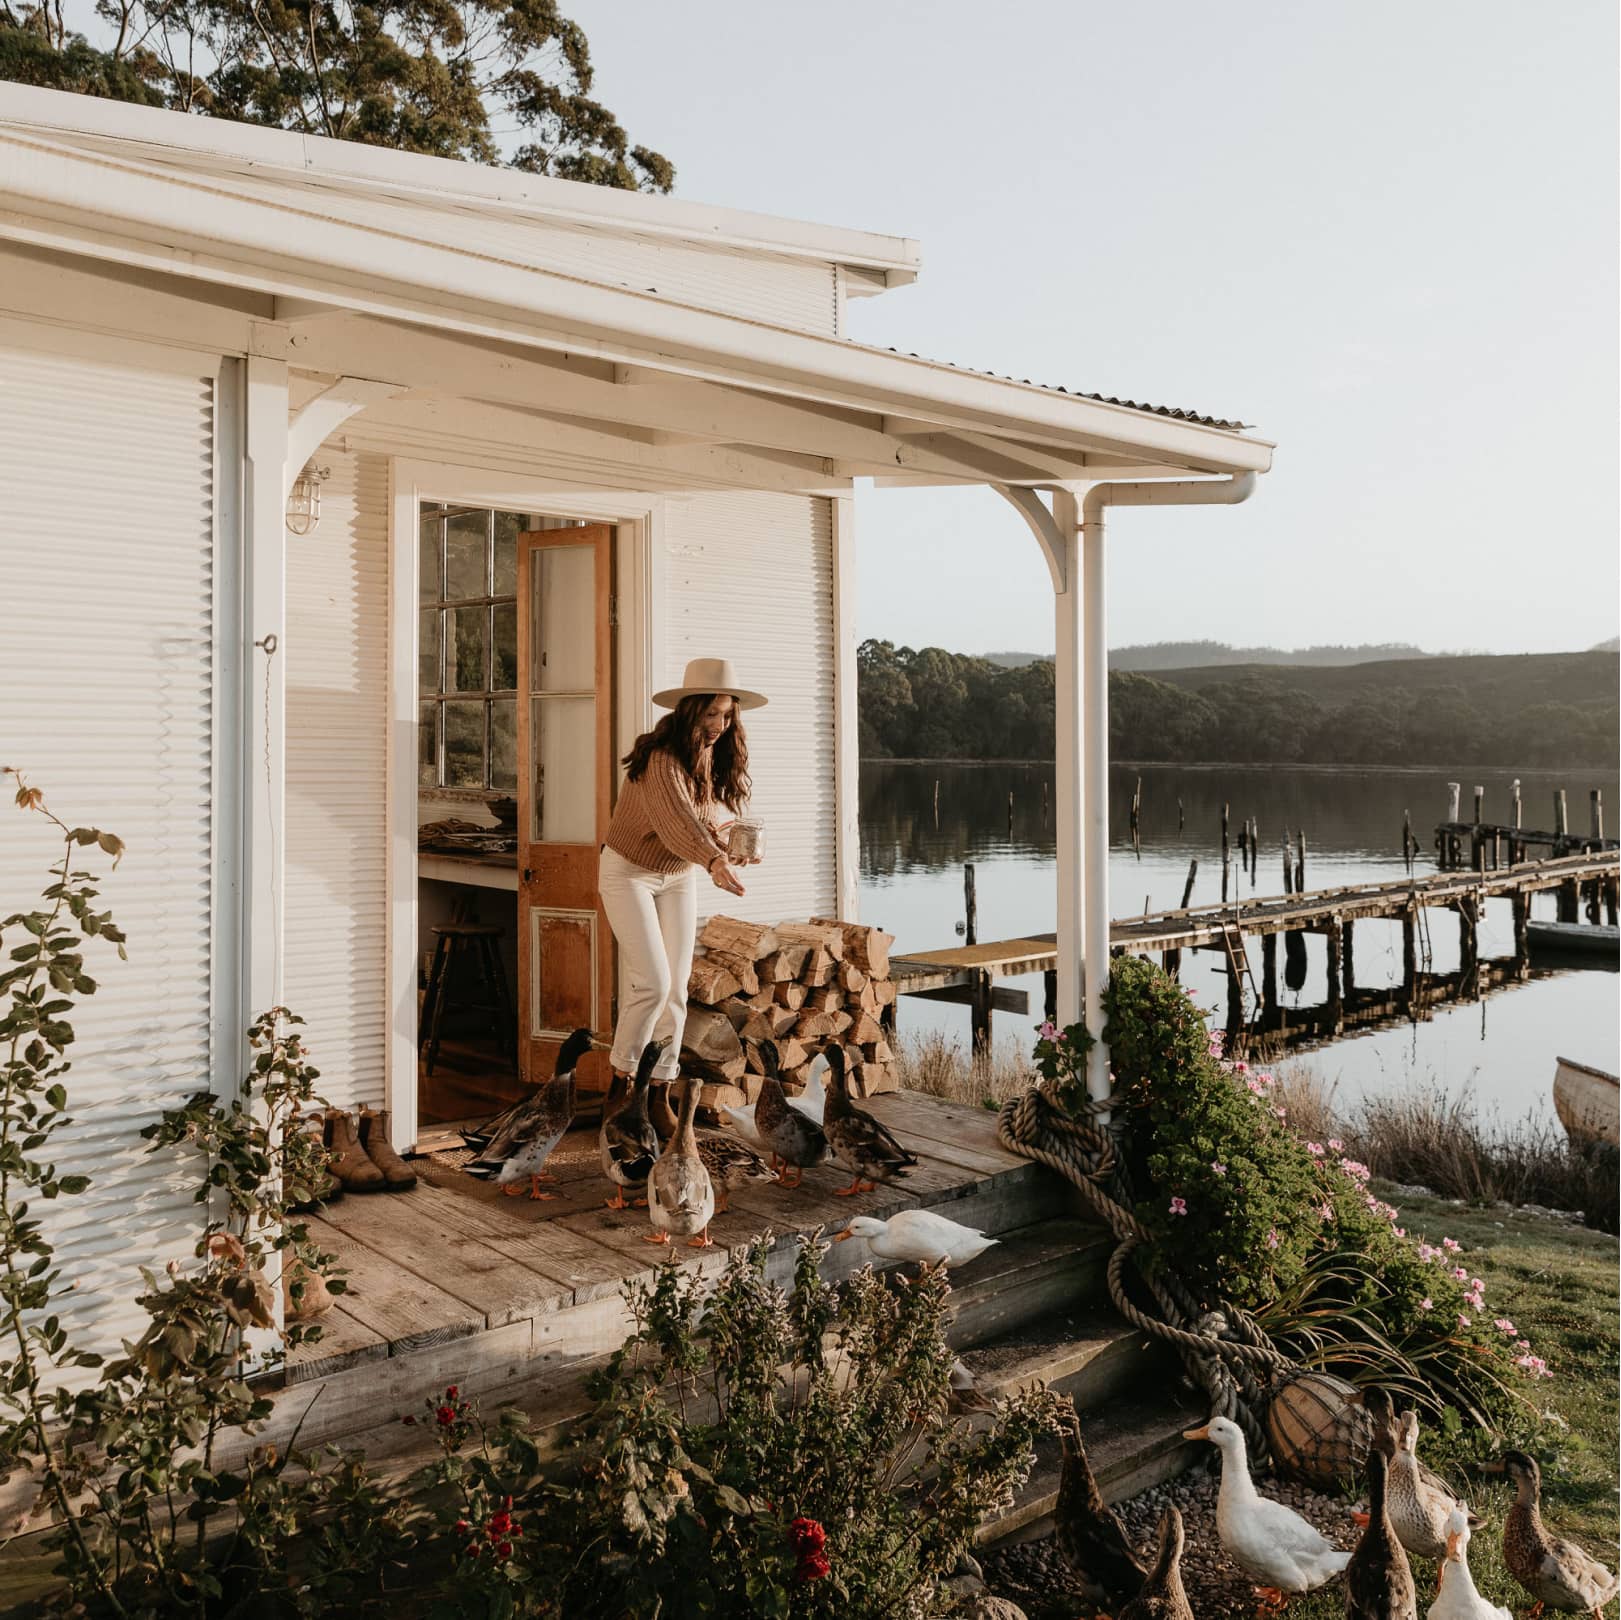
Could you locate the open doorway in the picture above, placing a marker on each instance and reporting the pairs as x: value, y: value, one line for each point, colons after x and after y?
x: 514, y: 787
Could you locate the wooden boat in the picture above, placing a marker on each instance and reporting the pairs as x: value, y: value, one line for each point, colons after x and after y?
x: 1588, y: 1102
x: 1574, y: 939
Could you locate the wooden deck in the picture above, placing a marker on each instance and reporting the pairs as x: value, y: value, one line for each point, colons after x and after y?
x: 456, y: 1259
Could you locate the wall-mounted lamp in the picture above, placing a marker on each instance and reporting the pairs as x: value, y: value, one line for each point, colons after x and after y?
x: 304, y: 501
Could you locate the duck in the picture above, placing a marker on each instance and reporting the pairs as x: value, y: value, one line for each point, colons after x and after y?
x: 627, y: 1144
x: 1457, y: 1598
x: 1378, y: 1579
x: 517, y: 1151
x: 810, y: 1102
x: 1420, y: 1503
x: 1272, y: 1544
x: 730, y: 1164
x: 966, y: 1395
x: 1417, y: 1498
x: 680, y: 1195
x: 795, y: 1141
x: 1163, y: 1596
x: 920, y: 1235
x: 1556, y: 1572
x: 1088, y: 1531
x: 479, y: 1137
x: 865, y: 1146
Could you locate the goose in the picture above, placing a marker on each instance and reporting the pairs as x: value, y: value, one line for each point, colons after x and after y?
x: 810, y: 1102
x: 627, y: 1144
x: 920, y: 1235
x: 1163, y: 1596
x: 1272, y: 1544
x: 794, y: 1140
x: 1378, y: 1579
x: 1556, y: 1572
x: 518, y: 1150
x: 680, y: 1195
x: 1457, y: 1598
x: 864, y: 1145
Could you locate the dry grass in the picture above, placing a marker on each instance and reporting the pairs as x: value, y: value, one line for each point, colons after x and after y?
x: 939, y: 1065
x: 1426, y: 1138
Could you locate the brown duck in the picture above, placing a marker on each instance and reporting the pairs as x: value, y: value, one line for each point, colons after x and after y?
x: 864, y: 1145
x: 1088, y: 1531
x: 1556, y: 1572
x: 1163, y: 1596
x: 1378, y: 1579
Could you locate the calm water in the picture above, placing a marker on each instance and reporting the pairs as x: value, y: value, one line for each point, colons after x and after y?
x: 1501, y: 1050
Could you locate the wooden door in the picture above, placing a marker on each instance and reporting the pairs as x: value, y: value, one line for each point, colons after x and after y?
x: 565, y: 793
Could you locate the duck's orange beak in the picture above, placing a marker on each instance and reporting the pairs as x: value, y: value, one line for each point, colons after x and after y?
x: 839, y: 1237
x: 1454, y: 1544
x: 1197, y: 1434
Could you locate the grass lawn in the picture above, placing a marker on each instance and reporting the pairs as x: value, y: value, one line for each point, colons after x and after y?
x: 1558, y: 1283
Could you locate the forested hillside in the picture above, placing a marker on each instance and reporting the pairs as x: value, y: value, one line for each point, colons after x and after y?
x: 1535, y: 709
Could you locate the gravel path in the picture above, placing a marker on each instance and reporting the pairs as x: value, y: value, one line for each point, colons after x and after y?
x: 1035, y: 1575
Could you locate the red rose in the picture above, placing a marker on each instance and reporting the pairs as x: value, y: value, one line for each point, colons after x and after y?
x: 445, y: 1417
x: 504, y: 1550
x: 813, y: 1567
x: 807, y: 1536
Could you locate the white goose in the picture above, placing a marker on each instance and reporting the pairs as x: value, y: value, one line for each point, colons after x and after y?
x: 1458, y: 1599
x: 810, y: 1102
x: 1272, y: 1544
x: 920, y: 1235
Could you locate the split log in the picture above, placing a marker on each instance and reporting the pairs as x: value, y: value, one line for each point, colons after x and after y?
x: 709, y: 1038
x: 868, y: 1000
x: 791, y: 995
x: 764, y: 998
x: 866, y: 1030
x: 710, y: 982
x: 783, y: 964
x: 867, y: 947
x: 828, y: 999
x: 841, y: 1021
x: 850, y: 978
x: 741, y: 968
x: 828, y: 936
x: 886, y: 991
x: 819, y: 968
x: 739, y: 1012
x: 816, y: 1026
x: 791, y: 1055
x: 746, y: 939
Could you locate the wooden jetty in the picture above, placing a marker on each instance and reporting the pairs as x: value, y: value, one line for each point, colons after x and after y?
x: 967, y: 974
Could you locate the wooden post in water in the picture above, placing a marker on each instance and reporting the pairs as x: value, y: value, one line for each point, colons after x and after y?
x: 1010, y: 812
x: 1596, y: 813
x: 1288, y: 868
x: 1255, y: 848
x: 1300, y: 861
x: 1044, y: 786
x: 1514, y: 788
x: 1336, y: 1001
x: 1269, y: 974
x: 1561, y: 819
x: 1407, y: 839
x: 1181, y: 819
x: 1187, y: 888
x: 1409, y: 951
x: 1226, y: 855
x: 1480, y: 801
x: 979, y: 1010
x: 1468, y: 937
x: 1347, y: 957
x: 970, y: 908
x: 937, y: 804
x: 1570, y: 901
x: 1136, y: 813
x: 1521, y: 900
x: 1454, y: 789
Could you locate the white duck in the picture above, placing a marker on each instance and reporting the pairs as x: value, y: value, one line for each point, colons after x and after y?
x: 920, y: 1235
x: 810, y: 1102
x: 1458, y: 1599
x: 1272, y: 1544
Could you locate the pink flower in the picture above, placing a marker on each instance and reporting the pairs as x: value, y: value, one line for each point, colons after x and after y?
x: 1282, y: 1113
x: 1503, y: 1325
x: 1461, y: 1273
x: 1272, y: 1238
x: 1464, y: 1321
x: 1335, y: 1145
x: 1401, y: 1231
x: 1179, y: 1206
x: 1426, y: 1304
x: 1048, y: 1031
x: 1241, y: 1067
x: 1476, y: 1284
x: 1315, y: 1149
x: 1357, y: 1172
x: 1218, y: 1167
x: 1218, y: 1038
x: 1255, y: 1086
x: 1426, y: 1253
x: 1522, y: 1344
x: 1534, y: 1365
x: 1265, y: 1078
x: 1451, y: 1243
x: 1326, y: 1211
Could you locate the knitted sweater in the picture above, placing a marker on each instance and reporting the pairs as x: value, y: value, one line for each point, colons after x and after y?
x: 657, y: 824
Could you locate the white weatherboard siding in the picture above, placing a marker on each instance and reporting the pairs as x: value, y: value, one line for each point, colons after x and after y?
x: 336, y: 971
x: 106, y: 693
x: 750, y: 577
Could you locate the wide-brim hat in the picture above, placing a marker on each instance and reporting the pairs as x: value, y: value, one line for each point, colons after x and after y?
x: 710, y: 677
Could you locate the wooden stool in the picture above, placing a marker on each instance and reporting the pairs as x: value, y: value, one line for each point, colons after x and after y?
x: 456, y: 939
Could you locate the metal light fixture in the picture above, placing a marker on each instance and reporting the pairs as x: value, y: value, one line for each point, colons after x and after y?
x: 304, y: 501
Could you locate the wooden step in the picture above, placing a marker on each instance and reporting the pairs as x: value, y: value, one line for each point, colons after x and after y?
x: 1087, y: 1353
x: 1048, y: 1266
x: 1132, y: 1445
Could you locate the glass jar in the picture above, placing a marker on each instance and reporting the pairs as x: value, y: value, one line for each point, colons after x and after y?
x: 745, y: 840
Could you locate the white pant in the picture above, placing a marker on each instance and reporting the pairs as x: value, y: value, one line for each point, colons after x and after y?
x: 654, y: 917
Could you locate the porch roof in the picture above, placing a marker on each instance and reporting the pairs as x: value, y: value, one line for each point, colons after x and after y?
x: 312, y: 228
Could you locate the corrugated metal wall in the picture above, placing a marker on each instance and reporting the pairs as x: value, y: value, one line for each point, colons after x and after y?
x: 750, y: 577
x: 106, y: 693
x: 337, y: 700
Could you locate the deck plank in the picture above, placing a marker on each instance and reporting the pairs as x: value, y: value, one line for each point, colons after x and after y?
x: 345, y: 1341
x: 952, y: 1133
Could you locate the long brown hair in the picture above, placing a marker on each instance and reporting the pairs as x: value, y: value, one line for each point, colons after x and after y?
x: 721, y: 772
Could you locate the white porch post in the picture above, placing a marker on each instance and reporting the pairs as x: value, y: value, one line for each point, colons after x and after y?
x: 1095, y: 830
x: 264, y: 618
x: 1068, y: 791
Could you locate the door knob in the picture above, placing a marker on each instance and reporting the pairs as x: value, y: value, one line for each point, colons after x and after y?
x: 528, y: 876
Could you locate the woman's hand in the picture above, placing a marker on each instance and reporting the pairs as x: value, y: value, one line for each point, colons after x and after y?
x: 724, y: 877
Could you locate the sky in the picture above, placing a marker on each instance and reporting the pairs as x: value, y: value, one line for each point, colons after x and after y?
x: 1385, y: 234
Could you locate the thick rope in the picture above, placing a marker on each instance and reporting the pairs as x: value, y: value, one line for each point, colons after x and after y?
x: 1225, y: 1351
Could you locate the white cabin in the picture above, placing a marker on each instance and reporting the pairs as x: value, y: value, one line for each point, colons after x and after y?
x: 645, y: 412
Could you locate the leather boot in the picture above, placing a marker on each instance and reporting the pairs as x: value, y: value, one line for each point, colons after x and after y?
x: 398, y: 1176
x: 349, y: 1161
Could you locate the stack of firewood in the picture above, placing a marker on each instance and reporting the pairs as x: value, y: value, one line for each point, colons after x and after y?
x: 802, y: 985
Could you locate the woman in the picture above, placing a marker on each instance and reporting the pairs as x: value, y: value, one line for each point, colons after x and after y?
x: 680, y: 778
